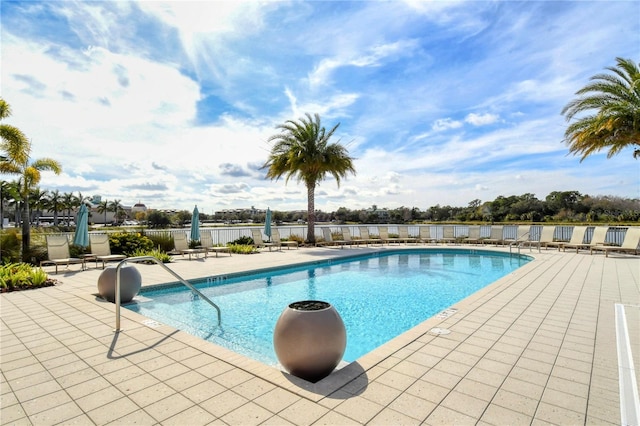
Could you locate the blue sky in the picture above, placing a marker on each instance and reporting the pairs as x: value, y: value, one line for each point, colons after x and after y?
x: 172, y: 103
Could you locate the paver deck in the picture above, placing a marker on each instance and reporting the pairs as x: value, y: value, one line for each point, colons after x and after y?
x: 536, y: 347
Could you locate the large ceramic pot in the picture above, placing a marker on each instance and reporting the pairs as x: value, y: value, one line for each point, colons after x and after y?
x: 130, y: 283
x: 310, y: 339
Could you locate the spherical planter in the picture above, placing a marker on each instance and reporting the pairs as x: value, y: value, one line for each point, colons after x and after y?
x: 309, y: 339
x: 130, y: 283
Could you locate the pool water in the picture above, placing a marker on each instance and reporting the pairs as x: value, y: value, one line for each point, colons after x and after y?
x: 378, y: 296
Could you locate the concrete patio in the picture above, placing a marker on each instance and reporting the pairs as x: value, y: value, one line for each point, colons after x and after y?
x: 536, y: 347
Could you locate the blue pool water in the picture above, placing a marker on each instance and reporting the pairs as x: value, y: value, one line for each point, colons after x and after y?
x: 378, y: 296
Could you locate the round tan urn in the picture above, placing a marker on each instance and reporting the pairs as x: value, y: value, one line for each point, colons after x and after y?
x: 130, y: 283
x: 310, y: 339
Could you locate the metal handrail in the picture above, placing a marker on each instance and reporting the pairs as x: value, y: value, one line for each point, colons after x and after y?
x: 158, y: 262
x: 518, y: 242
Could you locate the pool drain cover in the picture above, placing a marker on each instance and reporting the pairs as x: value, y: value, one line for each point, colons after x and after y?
x: 439, y: 331
x: 151, y: 323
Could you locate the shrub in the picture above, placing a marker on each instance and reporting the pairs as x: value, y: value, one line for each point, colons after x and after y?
x: 163, y: 242
x: 158, y: 254
x: 241, y: 248
x: 19, y: 276
x: 128, y: 242
x: 243, y: 241
x: 10, y: 243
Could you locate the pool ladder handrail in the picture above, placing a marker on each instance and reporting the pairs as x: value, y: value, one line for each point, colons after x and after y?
x: 158, y: 262
x: 519, y: 240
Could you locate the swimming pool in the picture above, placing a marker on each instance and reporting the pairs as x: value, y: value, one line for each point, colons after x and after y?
x: 379, y: 296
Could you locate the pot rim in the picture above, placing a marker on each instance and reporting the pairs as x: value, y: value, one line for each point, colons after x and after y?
x: 325, y: 305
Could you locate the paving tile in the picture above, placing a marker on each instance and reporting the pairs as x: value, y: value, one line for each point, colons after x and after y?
x: 249, y: 414
x: 232, y: 378
x: 224, y: 403
x: 277, y: 400
x: 98, y: 398
x: 137, y: 383
x: 391, y: 417
x: 303, y: 412
x: 445, y: 416
x: 332, y: 418
x: 14, y: 414
x: 193, y: 416
x: 37, y: 390
x: 463, y: 403
x: 380, y: 393
x: 359, y: 409
x: 253, y: 388
x: 46, y: 402
x: 476, y: 389
x: 137, y: 417
x: 152, y: 394
x: 428, y: 391
x: 557, y: 415
x: 168, y: 407
x: 412, y: 406
x: 60, y: 414
x: 497, y: 415
x: 203, y: 391
x: 110, y: 411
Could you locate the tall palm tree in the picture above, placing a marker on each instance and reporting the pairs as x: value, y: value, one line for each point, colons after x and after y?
x: 54, y: 204
x: 16, y: 159
x: 103, y: 207
x: 116, y: 207
x: 615, y: 123
x: 68, y: 202
x: 302, y: 150
x: 37, y: 200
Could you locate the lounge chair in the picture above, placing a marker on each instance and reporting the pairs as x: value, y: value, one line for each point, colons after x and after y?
x: 58, y: 252
x: 258, y: 242
x: 577, y: 237
x: 521, y: 235
x: 597, y: 239
x: 181, y: 246
x: 546, y: 236
x: 346, y: 236
x: 206, y: 243
x: 448, y: 235
x: 495, y: 236
x: 365, y: 236
x: 275, y: 236
x: 101, y: 250
x: 629, y: 244
x: 473, y: 237
x: 384, y: 235
x: 403, y: 234
x: 424, y: 235
x: 328, y: 239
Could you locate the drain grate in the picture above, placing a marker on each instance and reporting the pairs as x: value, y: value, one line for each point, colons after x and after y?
x: 151, y: 323
x: 439, y: 331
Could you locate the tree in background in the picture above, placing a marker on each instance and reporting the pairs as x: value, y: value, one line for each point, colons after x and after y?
x: 302, y: 150
x: 615, y: 124
x: 16, y: 159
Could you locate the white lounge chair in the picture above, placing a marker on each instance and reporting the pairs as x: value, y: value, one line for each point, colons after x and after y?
x: 181, y: 246
x: 629, y: 244
x: 101, y: 250
x: 365, y: 236
x: 577, y: 237
x: 328, y: 239
x: 597, y: 239
x: 258, y: 242
x: 473, y: 237
x: 275, y: 236
x: 58, y: 252
x: 384, y: 235
x: 403, y: 234
x: 206, y: 243
x: 424, y: 235
x: 495, y: 236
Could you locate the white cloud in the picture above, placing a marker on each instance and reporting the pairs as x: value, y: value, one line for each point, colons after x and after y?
x: 443, y: 124
x: 481, y: 119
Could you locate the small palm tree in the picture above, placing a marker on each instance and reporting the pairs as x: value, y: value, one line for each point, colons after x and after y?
x: 16, y: 159
x: 69, y: 202
x: 616, y: 122
x: 116, y: 207
x: 302, y: 150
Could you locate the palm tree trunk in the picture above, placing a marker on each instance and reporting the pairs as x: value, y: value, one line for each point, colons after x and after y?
x: 311, y: 213
x: 26, y: 230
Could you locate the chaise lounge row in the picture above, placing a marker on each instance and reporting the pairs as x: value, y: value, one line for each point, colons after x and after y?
x: 520, y: 236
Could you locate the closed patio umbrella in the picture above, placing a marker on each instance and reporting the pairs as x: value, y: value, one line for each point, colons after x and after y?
x: 81, y: 237
x: 267, y: 224
x: 195, y: 225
